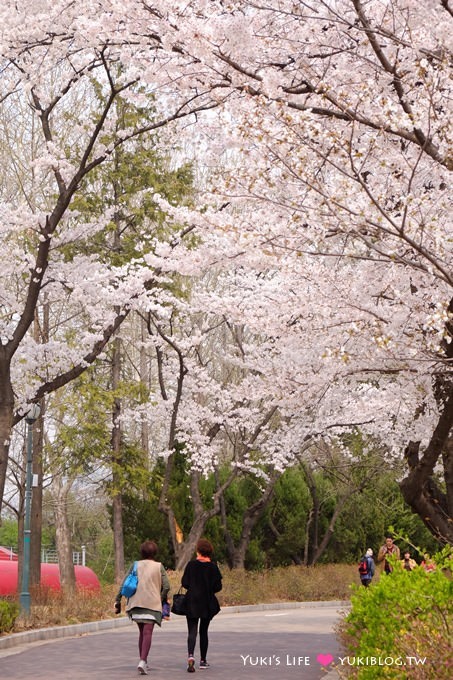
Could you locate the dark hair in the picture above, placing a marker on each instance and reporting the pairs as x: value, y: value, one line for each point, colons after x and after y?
x: 148, y: 550
x: 204, y: 547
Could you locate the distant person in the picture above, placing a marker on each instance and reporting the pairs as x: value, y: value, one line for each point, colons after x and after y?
x: 428, y: 563
x: 367, y: 568
x: 408, y: 563
x: 145, y: 605
x: 202, y: 579
x: 389, y: 549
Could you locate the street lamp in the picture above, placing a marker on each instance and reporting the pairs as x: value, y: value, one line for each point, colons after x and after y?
x: 30, y: 418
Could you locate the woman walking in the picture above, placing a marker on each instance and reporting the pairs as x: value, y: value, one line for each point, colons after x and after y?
x: 145, y: 605
x: 202, y: 579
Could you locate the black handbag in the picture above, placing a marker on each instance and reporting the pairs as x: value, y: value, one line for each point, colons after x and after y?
x: 178, y: 605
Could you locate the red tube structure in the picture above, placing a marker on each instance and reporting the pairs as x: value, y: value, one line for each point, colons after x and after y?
x: 86, y: 579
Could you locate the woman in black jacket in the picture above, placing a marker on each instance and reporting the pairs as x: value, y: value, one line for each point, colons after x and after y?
x: 202, y: 579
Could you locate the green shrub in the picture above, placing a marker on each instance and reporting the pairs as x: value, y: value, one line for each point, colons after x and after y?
x: 9, y: 611
x: 406, y: 614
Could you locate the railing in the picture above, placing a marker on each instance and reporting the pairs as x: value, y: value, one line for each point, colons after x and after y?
x: 50, y: 556
x: 8, y: 554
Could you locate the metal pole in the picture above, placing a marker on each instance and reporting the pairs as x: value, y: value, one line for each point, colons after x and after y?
x: 25, y: 595
x: 30, y: 418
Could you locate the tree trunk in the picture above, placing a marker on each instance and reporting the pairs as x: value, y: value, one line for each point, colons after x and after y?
x: 251, y: 517
x: 308, y: 524
x: 223, y: 519
x: 447, y: 459
x: 145, y: 378
x: 117, y: 461
x: 336, y: 513
x: 118, y: 537
x: 295, y: 558
x: 41, y: 334
x: 420, y: 490
x: 6, y: 417
x: 330, y: 530
x: 63, y: 537
x: 185, y: 551
x: 312, y: 526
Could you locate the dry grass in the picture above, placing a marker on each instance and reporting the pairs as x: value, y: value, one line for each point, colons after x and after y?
x: 297, y: 584
x: 287, y: 584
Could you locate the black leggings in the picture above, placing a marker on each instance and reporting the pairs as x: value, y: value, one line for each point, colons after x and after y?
x: 192, y: 626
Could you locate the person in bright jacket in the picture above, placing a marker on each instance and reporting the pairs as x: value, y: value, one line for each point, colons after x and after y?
x: 389, y: 549
x: 202, y: 579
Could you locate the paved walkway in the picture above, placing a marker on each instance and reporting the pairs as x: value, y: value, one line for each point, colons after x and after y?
x: 287, y: 641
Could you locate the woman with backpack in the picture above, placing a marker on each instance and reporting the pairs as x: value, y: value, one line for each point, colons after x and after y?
x: 367, y: 568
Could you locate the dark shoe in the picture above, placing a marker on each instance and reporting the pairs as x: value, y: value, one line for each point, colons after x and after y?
x: 191, y: 665
x: 204, y: 664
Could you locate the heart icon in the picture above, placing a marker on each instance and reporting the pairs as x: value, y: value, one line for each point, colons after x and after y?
x: 324, y: 659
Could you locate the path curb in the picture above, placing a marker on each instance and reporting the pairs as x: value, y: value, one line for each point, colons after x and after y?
x: 60, y: 632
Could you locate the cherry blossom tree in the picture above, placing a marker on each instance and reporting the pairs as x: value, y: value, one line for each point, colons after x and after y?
x: 64, y: 67
x: 330, y: 236
x: 338, y: 127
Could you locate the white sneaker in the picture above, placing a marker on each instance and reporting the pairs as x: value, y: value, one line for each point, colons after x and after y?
x: 142, y: 668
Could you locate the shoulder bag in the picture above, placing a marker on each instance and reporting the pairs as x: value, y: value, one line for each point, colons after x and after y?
x: 130, y: 582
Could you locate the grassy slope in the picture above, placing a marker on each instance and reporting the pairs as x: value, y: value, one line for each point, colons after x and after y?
x: 297, y: 584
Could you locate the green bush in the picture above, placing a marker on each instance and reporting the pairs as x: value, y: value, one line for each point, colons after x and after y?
x: 9, y: 611
x: 406, y: 614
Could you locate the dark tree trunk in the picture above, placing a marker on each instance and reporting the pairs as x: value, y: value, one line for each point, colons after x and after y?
x: 117, y: 482
x: 223, y: 519
x: 447, y: 459
x: 419, y: 488
x: 251, y: 517
x: 312, y: 527
x: 41, y: 334
x: 6, y: 416
x: 329, y: 531
x: 185, y: 550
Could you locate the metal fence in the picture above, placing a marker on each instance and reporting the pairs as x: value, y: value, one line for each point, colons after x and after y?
x: 50, y: 555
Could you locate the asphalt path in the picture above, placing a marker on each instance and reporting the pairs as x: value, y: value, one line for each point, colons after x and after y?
x: 286, y: 644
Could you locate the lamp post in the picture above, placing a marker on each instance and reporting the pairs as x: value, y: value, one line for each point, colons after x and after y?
x: 30, y: 418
